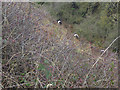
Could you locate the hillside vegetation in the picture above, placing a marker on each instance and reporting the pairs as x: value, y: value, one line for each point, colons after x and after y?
x: 37, y: 52
x: 97, y: 22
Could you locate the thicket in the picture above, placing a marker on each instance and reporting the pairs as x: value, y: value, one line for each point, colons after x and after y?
x: 37, y: 53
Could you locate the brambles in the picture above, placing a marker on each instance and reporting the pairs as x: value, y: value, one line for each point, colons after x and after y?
x: 38, y: 53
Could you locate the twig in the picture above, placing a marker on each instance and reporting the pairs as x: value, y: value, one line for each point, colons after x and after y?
x: 99, y: 59
x: 18, y: 85
x: 40, y: 82
x: 12, y: 57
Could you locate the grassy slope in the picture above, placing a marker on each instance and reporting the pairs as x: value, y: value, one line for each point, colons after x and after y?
x: 97, y: 25
x: 62, y: 32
